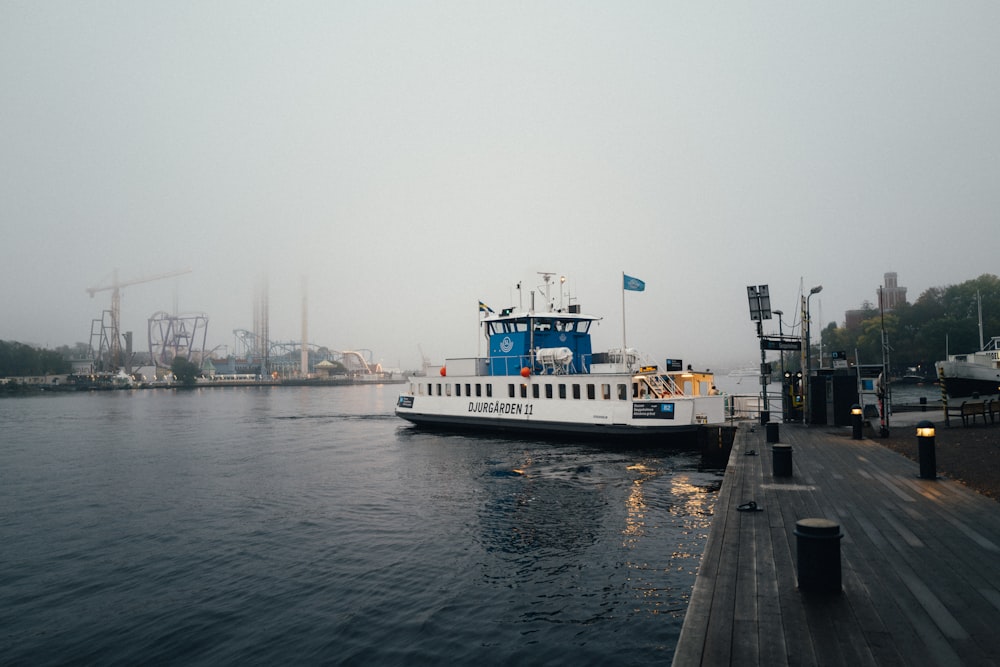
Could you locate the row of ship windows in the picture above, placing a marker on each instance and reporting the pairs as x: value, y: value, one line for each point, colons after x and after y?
x: 589, y: 391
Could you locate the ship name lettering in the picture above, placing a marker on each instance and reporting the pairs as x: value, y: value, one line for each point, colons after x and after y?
x: 499, y: 408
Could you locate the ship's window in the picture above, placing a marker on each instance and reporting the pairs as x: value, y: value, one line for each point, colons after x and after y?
x: 510, y: 390
x: 489, y: 391
x: 576, y: 392
x: 447, y: 389
x: 479, y: 390
x: 438, y: 390
x: 534, y: 391
x: 458, y: 389
x: 562, y: 391
x: 590, y: 392
x: 468, y: 390
x: 548, y: 391
x: 606, y: 392
x: 524, y: 391
x: 430, y: 389
x: 622, y: 392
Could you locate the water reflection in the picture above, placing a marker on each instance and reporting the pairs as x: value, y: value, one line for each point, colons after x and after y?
x: 541, y: 506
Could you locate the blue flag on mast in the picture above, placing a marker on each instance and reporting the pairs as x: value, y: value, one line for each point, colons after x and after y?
x: 634, y: 284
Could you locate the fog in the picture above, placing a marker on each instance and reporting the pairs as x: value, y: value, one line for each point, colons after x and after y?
x: 409, y: 159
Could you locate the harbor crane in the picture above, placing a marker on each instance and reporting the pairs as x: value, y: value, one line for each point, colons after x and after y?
x: 115, y: 360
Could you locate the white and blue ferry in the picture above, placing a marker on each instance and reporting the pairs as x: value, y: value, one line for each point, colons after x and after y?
x: 541, y: 375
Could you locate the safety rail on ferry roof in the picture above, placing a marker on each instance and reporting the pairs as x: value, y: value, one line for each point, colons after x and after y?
x: 510, y: 365
x: 603, y: 362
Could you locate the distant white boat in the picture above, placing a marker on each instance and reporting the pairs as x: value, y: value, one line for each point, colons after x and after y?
x: 974, y: 373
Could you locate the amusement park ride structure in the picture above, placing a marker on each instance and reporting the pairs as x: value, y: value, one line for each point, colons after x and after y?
x: 284, y: 357
x: 172, y: 336
x: 184, y: 335
x: 105, y: 333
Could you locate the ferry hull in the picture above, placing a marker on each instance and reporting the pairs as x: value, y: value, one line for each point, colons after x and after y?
x: 486, y: 425
x: 962, y: 379
x: 599, y: 407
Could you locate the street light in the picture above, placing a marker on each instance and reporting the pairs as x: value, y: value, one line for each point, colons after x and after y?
x: 779, y: 313
x: 781, y: 352
x: 808, y: 369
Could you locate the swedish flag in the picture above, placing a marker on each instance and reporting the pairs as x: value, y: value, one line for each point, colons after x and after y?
x: 483, y: 308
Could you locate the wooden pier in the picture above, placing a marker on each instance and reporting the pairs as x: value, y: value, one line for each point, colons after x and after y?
x: 920, y: 561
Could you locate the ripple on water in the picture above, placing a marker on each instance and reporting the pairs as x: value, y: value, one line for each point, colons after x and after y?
x: 310, y: 525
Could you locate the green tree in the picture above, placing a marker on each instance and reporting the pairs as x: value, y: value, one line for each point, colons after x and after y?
x: 18, y: 360
x: 941, y: 320
x: 184, y: 371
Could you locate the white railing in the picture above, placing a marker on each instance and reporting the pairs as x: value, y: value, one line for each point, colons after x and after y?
x: 750, y: 406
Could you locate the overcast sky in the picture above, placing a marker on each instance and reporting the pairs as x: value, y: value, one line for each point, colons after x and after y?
x: 412, y: 158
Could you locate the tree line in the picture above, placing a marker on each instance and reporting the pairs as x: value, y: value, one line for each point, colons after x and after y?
x: 18, y: 360
x: 942, y: 320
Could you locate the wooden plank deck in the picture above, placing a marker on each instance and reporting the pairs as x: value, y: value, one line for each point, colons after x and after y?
x: 920, y: 562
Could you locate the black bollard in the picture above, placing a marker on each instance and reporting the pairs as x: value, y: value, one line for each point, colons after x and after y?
x: 925, y: 450
x: 818, y: 547
x: 781, y: 464
x: 772, y: 431
x: 856, y: 421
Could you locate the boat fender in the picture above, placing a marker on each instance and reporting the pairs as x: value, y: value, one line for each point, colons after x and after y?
x: 525, y: 372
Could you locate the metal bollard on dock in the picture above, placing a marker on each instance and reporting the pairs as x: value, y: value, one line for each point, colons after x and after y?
x: 781, y: 465
x: 771, y: 429
x: 818, y: 547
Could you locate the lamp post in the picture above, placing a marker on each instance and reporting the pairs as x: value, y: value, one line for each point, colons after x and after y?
x: 760, y: 309
x: 781, y: 353
x: 781, y: 334
x: 808, y: 368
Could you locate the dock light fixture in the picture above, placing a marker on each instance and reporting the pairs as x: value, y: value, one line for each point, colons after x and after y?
x: 925, y: 450
x: 856, y: 422
x: 808, y: 368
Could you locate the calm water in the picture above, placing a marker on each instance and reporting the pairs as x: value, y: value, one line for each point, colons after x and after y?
x: 309, y: 525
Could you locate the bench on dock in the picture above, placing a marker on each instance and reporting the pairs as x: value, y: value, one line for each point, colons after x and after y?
x: 988, y: 409
x: 972, y: 409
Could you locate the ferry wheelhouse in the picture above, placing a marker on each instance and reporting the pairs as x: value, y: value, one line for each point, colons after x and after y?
x: 541, y: 375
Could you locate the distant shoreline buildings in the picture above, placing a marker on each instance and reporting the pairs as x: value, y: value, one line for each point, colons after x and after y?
x: 891, y: 295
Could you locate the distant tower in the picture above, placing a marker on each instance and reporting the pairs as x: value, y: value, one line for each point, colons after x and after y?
x: 261, y: 326
x: 305, y: 328
x: 891, y: 294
